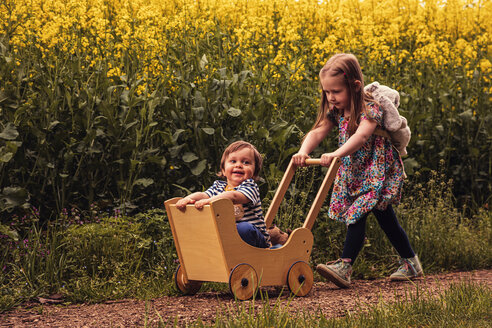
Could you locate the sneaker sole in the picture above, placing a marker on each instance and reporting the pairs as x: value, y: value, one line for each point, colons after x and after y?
x: 405, y: 278
x: 332, y: 276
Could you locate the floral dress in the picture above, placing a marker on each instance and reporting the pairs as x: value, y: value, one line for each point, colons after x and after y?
x: 372, y: 177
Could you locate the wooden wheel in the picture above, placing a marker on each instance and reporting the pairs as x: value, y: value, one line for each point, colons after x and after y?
x: 185, y: 286
x: 300, y: 278
x: 243, y: 281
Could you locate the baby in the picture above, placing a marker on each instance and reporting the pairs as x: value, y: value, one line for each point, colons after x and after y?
x: 240, y: 167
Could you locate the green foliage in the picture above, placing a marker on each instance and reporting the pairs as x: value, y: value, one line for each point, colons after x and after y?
x: 110, y: 257
x: 118, y: 257
x: 440, y: 234
x: 449, y: 235
x: 75, y: 133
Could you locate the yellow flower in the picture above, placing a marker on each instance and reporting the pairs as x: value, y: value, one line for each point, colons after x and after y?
x: 298, y: 33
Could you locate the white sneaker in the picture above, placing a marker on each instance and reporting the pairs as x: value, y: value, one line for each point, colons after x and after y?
x: 410, y: 268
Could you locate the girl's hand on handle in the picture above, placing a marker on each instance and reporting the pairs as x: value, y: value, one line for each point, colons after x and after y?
x: 299, y: 159
x: 327, y: 158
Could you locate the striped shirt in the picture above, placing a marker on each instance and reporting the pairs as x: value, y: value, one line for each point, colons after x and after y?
x: 252, y: 210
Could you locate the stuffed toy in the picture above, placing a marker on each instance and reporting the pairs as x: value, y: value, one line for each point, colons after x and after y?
x: 238, y: 211
x: 277, y: 236
x: 393, y: 122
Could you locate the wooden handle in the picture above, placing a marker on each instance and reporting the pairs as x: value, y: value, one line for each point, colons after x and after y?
x: 322, y: 192
x: 313, y: 161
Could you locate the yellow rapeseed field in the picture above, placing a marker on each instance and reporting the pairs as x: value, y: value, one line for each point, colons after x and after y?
x: 437, y: 32
x: 103, y: 92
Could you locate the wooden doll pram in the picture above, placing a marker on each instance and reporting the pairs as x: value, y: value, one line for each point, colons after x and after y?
x: 210, y: 249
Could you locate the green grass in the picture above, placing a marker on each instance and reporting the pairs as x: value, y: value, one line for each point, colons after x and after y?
x: 112, y: 256
x: 461, y: 305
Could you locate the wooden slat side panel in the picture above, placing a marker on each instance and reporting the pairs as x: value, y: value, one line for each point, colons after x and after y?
x: 195, y: 234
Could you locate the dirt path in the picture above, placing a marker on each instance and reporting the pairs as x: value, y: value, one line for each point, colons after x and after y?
x: 333, y: 302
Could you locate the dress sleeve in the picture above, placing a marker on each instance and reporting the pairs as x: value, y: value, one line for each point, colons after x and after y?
x: 250, y: 189
x: 374, y: 112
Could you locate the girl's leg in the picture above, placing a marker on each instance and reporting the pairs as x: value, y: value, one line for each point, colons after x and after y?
x: 397, y: 236
x: 251, y: 235
x: 354, y: 240
x: 339, y: 272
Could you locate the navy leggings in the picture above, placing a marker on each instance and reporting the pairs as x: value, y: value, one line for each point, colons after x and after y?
x: 389, y: 223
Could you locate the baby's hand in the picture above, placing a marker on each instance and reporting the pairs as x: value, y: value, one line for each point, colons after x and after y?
x: 181, y: 204
x: 200, y: 203
x: 299, y: 159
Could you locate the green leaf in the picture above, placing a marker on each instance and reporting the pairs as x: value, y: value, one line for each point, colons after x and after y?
x: 174, y: 151
x: 144, y: 182
x: 3, y: 96
x: 5, y: 230
x: 8, y: 151
x: 466, y: 115
x: 200, y: 101
x: 5, y: 158
x: 189, y: 157
x: 12, y: 197
x: 234, y: 112
x: 198, y: 112
x: 53, y: 124
x: 262, y: 133
x: 163, y: 161
x: 125, y: 96
x: 209, y: 131
x: 203, y: 62
x: 177, y: 134
x: 197, y: 170
x: 410, y: 165
x: 9, y: 133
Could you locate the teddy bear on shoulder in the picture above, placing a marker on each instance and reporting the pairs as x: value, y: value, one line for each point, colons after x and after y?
x: 393, y: 122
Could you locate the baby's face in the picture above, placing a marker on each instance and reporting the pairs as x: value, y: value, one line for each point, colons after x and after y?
x: 239, y: 166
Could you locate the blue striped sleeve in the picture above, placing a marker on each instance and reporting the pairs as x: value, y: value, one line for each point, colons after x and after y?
x: 217, y: 187
x: 249, y: 188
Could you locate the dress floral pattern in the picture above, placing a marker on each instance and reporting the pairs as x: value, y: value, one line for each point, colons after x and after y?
x: 372, y: 177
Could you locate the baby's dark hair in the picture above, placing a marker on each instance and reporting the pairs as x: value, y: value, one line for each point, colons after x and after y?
x: 238, y: 145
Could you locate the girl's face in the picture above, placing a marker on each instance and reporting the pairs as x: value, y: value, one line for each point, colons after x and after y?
x: 239, y: 166
x: 336, y: 92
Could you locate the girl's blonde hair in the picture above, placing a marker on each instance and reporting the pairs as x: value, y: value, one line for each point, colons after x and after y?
x: 238, y: 145
x: 348, y: 66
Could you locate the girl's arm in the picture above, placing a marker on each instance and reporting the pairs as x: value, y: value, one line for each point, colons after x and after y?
x: 312, y: 140
x: 236, y: 197
x: 361, y: 135
x: 190, y: 199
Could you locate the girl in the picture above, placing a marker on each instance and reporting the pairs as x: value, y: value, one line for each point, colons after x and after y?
x: 240, y: 167
x: 370, y: 177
